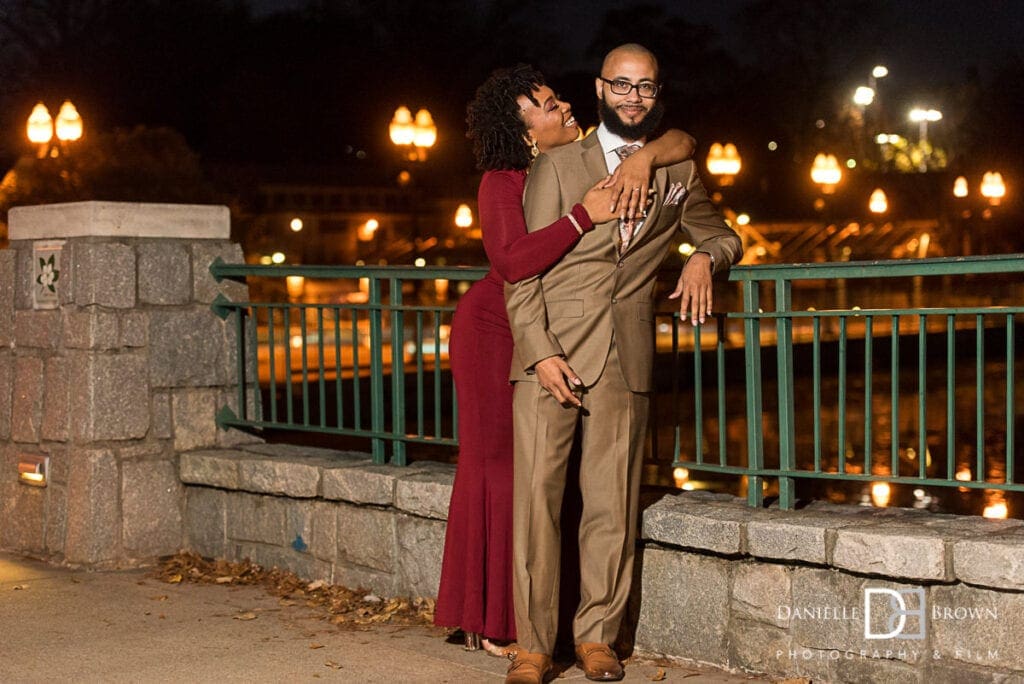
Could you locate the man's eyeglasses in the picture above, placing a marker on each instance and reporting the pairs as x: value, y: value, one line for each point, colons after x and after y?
x: 621, y: 86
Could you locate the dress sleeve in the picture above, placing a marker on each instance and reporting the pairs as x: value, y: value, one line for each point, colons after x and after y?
x: 514, y: 253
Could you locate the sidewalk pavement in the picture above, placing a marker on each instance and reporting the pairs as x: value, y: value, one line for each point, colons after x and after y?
x: 61, y: 625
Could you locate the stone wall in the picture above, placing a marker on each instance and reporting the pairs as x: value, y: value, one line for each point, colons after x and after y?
x: 783, y: 592
x: 111, y: 362
x: 327, y: 515
x: 757, y: 590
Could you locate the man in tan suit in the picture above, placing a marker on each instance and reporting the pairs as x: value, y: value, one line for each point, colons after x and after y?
x: 584, y: 349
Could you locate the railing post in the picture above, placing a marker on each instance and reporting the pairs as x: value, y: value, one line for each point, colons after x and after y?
x: 397, y: 372
x: 787, y: 426
x: 376, y: 370
x: 752, y: 352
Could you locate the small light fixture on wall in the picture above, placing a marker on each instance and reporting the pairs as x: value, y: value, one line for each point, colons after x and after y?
x: 32, y: 469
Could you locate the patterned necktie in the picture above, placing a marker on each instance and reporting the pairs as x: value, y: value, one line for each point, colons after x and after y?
x: 626, y: 228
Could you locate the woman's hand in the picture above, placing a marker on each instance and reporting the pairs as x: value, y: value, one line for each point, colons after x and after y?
x: 630, y: 184
x: 600, y: 202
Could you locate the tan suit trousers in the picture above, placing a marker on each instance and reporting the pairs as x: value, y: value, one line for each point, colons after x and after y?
x: 613, y: 427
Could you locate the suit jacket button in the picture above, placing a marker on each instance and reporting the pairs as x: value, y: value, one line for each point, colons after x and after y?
x: 620, y: 264
x: 614, y: 300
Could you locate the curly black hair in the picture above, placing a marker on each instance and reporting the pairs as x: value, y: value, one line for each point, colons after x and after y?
x: 495, y: 125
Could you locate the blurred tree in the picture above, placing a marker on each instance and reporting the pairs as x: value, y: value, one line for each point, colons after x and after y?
x: 138, y: 165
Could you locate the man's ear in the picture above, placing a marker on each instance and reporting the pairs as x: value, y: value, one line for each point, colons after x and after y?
x: 598, y: 88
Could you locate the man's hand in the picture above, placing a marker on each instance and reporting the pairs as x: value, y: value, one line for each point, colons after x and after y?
x: 557, y: 378
x: 694, y: 288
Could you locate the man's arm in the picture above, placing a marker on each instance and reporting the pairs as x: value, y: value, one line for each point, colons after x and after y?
x: 718, y: 247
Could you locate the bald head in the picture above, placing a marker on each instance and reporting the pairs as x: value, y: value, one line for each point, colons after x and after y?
x: 628, y: 52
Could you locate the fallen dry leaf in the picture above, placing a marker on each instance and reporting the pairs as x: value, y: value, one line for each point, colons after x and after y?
x: 352, y: 608
x: 161, y: 597
x: 315, y: 646
x: 248, y: 615
x: 333, y: 665
x: 19, y: 587
x: 658, y: 676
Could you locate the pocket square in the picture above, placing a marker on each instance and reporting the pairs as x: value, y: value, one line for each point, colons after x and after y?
x: 675, y: 194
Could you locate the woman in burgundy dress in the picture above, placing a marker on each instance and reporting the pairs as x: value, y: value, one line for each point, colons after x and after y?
x: 512, y: 118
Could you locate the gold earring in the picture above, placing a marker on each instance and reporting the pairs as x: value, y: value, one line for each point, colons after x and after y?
x: 534, y: 150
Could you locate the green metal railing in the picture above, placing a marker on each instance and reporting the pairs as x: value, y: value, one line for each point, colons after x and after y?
x: 372, y: 363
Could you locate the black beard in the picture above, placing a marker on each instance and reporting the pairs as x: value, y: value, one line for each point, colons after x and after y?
x: 638, y: 131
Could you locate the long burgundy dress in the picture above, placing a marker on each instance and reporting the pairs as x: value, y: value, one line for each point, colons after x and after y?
x: 476, y: 575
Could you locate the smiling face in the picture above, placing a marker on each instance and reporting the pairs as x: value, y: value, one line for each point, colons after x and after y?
x: 549, y: 122
x: 630, y: 116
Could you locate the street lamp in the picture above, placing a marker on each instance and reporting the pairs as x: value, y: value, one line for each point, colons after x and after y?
x: 879, y: 203
x: 825, y: 172
x: 41, y: 127
x: 463, y: 216
x: 960, y: 187
x: 724, y: 162
x: 992, y: 187
x: 863, y: 96
x: 414, y: 135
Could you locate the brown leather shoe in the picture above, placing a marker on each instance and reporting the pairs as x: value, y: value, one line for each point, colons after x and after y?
x: 598, y: 662
x: 529, y: 668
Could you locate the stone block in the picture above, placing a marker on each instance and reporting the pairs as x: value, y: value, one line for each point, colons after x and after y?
x: 23, y: 283
x: 278, y: 476
x: 253, y: 518
x: 952, y: 672
x: 993, y: 560
x: 215, y: 468
x: 194, y: 418
x: 56, y: 517
x: 111, y: 400
x: 164, y: 274
x: 104, y: 274
x: 323, y: 540
x: 7, y: 280
x: 305, y: 566
x: 56, y: 399
x: 90, y: 328
x: 688, y: 619
x: 691, y: 523
x: 24, y: 518
x: 826, y: 613
x: 420, y: 549
x: 893, y: 550
x: 60, y: 459
x: 151, y: 496
x: 161, y: 422
x: 798, y: 535
x: 27, y: 404
x: 760, y: 591
x: 94, y: 507
x: 205, y: 521
x: 120, y: 220
x: 759, y: 647
x: 426, y: 493
x: 134, y: 329
x: 205, y: 287
x: 6, y: 392
x: 371, y: 581
x: 305, y: 452
x: 367, y: 537
x: 980, y: 627
x: 908, y: 669
x: 363, y: 484
x: 37, y: 329
x: 186, y: 348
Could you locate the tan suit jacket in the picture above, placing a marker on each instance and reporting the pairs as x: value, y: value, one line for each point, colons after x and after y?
x: 575, y: 307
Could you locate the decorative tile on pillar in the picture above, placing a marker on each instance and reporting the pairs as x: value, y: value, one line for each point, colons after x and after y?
x: 46, y: 273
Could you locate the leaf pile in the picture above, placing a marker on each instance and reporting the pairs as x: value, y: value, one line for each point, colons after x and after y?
x: 352, y: 607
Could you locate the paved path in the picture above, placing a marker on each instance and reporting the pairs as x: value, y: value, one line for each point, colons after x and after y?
x: 60, y: 625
